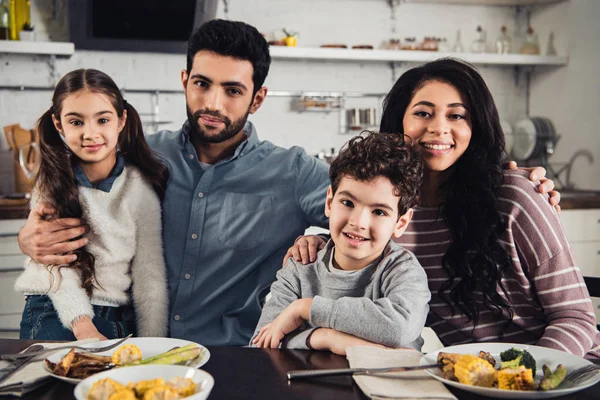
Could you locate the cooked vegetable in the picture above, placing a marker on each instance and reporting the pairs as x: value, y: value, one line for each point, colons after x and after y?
x: 142, y: 387
x: 184, y: 386
x: 103, y: 389
x: 514, y: 357
x: 519, y: 378
x: 162, y: 393
x: 472, y: 370
x: 126, y: 354
x: 123, y: 394
x: 555, y: 379
x: 63, y: 367
x: 175, y: 356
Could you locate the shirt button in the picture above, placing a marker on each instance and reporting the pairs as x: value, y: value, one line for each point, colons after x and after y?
x: 201, y: 195
x: 194, y: 236
x: 191, y: 156
x: 187, y: 276
x: 176, y: 318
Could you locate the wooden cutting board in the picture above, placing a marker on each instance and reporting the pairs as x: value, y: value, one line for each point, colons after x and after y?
x: 16, y: 136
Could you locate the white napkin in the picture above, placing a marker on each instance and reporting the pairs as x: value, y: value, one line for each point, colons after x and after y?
x: 33, y: 374
x: 398, y: 385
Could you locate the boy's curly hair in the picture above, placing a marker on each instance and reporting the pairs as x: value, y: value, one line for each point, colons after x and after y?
x: 373, y: 154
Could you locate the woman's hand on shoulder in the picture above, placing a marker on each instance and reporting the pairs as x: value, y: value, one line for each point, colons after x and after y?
x: 546, y: 184
x: 305, y: 249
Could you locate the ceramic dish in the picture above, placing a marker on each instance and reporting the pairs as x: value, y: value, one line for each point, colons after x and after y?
x: 542, y: 356
x: 203, y: 380
x: 149, y: 346
x: 525, y: 139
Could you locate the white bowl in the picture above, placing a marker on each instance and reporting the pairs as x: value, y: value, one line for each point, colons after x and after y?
x: 204, y: 381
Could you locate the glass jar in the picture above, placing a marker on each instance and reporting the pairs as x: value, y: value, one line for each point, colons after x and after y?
x: 503, y: 43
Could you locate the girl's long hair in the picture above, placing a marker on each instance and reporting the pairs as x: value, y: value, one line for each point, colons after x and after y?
x: 475, y: 259
x: 55, y: 180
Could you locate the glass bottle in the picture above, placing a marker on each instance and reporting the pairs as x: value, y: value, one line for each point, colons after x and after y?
x: 458, y: 47
x: 479, y: 45
x: 503, y: 43
x: 551, y: 50
x: 531, y: 45
x: 4, y: 20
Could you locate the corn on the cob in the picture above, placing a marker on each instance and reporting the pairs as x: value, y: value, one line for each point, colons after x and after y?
x: 472, y: 370
x: 184, y: 386
x: 142, y: 387
x: 519, y: 378
x: 103, y: 389
x: 126, y: 354
x: 123, y: 394
x: 162, y: 393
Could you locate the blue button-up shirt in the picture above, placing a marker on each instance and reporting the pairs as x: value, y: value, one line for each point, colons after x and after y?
x: 226, y: 228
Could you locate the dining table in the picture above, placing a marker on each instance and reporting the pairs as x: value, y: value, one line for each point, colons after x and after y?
x: 250, y: 373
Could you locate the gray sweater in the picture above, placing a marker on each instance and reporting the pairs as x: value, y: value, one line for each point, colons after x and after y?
x: 385, y: 302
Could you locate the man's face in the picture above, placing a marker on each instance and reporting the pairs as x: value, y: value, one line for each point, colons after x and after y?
x: 218, y: 92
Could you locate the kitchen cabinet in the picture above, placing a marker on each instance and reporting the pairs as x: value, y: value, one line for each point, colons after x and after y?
x: 11, y: 265
x: 582, y: 228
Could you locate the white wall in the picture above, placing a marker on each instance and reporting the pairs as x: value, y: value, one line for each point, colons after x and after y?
x: 318, y: 21
x: 571, y: 96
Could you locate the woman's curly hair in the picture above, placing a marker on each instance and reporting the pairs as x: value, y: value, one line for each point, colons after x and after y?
x: 366, y: 157
x: 476, y: 260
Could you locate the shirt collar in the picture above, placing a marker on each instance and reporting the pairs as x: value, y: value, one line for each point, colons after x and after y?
x: 106, y: 184
x: 243, y: 148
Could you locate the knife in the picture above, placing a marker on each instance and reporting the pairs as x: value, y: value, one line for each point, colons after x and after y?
x: 351, y: 371
x: 16, y: 365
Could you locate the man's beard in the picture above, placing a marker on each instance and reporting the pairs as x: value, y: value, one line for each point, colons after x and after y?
x: 230, y: 130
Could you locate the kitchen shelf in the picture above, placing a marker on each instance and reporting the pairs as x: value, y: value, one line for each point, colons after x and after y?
x: 491, y: 2
x: 44, y: 48
x: 308, y: 53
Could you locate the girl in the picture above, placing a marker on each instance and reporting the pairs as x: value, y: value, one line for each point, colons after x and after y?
x: 96, y: 165
x: 498, y: 264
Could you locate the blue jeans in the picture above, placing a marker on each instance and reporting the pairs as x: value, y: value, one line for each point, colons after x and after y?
x: 40, y: 321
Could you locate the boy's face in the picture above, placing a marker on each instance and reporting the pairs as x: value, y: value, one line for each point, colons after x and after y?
x: 219, y: 96
x: 363, y: 216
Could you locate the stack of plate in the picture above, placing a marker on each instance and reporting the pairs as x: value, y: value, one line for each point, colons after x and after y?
x: 509, y: 137
x: 534, y: 137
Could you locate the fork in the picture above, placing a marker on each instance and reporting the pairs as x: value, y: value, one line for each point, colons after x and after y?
x: 581, y: 374
x: 52, y: 350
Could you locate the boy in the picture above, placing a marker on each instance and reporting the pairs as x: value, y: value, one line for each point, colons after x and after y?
x: 363, y: 289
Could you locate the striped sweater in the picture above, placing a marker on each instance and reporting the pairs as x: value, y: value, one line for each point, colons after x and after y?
x: 551, y: 304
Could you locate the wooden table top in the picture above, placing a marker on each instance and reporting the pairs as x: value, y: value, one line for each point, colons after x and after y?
x: 245, y: 373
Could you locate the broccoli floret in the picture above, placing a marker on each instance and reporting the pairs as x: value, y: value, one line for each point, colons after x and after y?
x: 528, y: 361
x: 511, y: 363
x: 510, y: 354
x: 512, y: 358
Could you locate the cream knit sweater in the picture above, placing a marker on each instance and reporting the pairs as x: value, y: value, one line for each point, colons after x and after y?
x: 125, y: 238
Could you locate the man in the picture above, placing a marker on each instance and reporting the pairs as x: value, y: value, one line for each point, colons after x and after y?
x: 233, y: 204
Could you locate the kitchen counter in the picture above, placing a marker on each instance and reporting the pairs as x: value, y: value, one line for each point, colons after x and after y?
x: 14, y: 208
x: 579, y: 200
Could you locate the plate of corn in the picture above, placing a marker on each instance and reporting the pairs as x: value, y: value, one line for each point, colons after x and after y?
x: 508, y: 370
x: 73, y: 365
x: 146, y: 382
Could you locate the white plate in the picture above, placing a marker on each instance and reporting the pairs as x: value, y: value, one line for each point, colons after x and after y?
x: 525, y: 139
x: 204, y: 381
x: 509, y: 137
x: 149, y: 346
x: 542, y: 356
